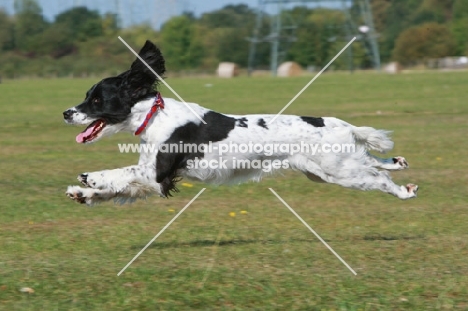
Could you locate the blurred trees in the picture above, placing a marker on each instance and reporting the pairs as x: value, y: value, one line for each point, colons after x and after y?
x: 397, y: 22
x: 82, y: 41
x: 29, y: 24
x: 181, y: 41
x: 228, y: 28
x: 426, y: 41
x: 317, y: 31
x: 459, y: 26
x: 6, y: 31
x: 395, y: 18
x: 81, y: 23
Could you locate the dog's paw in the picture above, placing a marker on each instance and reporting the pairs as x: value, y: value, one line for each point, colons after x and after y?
x: 412, y: 189
x: 86, y: 196
x: 83, y: 179
x: 76, y: 194
x: 400, y: 163
x: 92, y: 180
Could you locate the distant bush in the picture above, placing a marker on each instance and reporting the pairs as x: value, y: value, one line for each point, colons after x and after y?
x: 430, y: 40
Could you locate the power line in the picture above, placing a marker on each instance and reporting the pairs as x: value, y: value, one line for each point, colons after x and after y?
x: 283, y: 28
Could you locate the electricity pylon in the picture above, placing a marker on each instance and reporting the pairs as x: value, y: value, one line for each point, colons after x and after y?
x: 283, y: 26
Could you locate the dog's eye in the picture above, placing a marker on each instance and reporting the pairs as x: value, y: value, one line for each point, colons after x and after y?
x: 96, y: 100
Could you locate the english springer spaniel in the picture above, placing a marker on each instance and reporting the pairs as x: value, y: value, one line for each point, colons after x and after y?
x: 130, y: 102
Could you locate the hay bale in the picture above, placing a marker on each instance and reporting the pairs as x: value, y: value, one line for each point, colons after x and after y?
x: 392, y: 68
x: 289, y: 69
x: 227, y: 70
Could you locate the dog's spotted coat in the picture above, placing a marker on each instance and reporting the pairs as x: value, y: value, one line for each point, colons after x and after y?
x: 121, y: 103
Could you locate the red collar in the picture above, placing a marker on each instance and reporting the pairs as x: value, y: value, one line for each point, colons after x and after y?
x: 158, y: 104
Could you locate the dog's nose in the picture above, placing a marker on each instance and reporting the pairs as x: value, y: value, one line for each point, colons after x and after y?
x: 68, y: 113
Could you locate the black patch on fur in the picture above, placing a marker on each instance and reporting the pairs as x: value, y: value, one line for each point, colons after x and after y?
x: 242, y: 122
x: 317, y: 122
x: 217, y: 128
x: 262, y: 123
x: 112, y: 99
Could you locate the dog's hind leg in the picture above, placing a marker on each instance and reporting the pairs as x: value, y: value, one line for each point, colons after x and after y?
x: 312, y: 171
x: 372, y: 179
x: 351, y: 173
x: 391, y: 164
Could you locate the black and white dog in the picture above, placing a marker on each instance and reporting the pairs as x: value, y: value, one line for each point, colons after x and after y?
x: 129, y: 102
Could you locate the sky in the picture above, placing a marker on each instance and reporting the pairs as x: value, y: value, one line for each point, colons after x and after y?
x: 134, y: 11
x: 201, y: 6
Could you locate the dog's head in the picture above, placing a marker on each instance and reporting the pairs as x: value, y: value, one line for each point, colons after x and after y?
x: 108, y: 104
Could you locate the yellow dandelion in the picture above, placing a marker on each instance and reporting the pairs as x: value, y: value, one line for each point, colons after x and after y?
x: 438, y: 158
x: 171, y: 210
x: 186, y: 184
x: 243, y: 212
x: 232, y: 214
x: 31, y: 222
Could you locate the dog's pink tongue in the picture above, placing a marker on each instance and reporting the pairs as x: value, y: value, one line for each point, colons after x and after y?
x: 80, y: 138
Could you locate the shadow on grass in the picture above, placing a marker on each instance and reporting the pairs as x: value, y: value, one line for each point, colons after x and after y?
x: 234, y: 242
x: 379, y: 237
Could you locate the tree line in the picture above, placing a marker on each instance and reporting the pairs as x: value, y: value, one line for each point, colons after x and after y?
x: 80, y: 41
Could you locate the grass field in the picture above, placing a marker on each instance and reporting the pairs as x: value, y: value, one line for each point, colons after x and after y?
x: 408, y: 255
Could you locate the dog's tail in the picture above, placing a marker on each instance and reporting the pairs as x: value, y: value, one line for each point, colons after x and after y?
x: 373, y: 139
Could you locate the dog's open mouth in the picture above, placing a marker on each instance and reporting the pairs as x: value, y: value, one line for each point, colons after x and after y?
x: 91, y: 132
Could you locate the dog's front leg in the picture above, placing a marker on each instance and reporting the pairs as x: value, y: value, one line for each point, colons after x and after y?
x: 130, y: 182
x: 89, y: 196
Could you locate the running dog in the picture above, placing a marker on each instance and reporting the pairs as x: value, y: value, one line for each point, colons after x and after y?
x: 130, y: 102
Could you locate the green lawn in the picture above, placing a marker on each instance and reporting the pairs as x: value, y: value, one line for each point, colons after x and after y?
x: 408, y: 255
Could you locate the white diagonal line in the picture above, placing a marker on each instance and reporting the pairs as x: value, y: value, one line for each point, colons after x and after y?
x: 311, y: 81
x: 160, y: 232
x: 312, y: 230
x: 210, y: 266
x: 160, y: 79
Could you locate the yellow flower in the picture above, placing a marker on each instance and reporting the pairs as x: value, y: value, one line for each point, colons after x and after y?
x: 171, y: 210
x: 186, y: 184
x: 438, y: 158
x: 243, y: 212
x: 232, y: 214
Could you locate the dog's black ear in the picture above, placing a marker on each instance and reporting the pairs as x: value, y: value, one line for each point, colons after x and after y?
x: 139, y: 81
x: 152, y: 56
